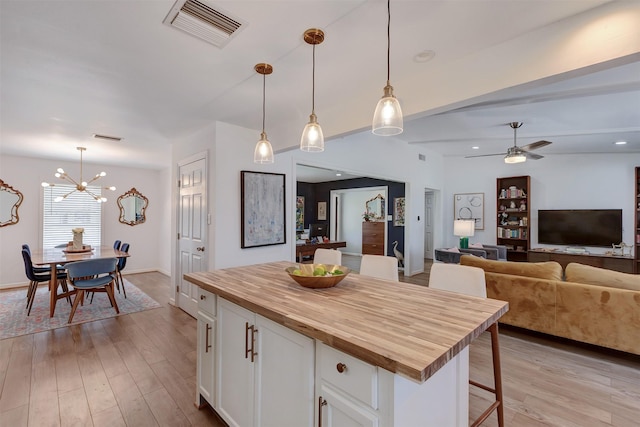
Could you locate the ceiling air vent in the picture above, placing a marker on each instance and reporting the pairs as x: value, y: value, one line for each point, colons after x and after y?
x: 203, y: 21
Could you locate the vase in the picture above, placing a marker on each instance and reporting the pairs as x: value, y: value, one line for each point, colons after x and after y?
x: 77, y: 240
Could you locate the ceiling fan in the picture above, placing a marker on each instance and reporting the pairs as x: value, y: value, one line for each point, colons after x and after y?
x: 517, y: 154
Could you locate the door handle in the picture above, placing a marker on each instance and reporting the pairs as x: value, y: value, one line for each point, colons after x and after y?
x: 200, y: 249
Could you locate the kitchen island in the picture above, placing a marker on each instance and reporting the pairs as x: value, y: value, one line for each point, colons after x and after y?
x: 365, y: 352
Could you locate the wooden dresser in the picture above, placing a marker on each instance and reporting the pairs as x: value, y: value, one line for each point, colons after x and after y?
x: 373, y: 238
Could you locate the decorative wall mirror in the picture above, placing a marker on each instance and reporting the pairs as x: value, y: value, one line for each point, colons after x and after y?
x: 10, y: 200
x: 132, y: 206
x: 376, y: 207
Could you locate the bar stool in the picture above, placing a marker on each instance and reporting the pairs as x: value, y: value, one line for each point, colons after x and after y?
x: 470, y: 281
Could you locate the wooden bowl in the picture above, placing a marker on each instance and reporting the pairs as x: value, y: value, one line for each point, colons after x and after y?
x: 308, y: 280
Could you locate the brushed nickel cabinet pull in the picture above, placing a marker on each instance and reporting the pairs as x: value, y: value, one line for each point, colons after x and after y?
x: 254, y: 353
x: 246, y: 340
x: 207, y: 345
x: 321, y: 403
x: 341, y: 367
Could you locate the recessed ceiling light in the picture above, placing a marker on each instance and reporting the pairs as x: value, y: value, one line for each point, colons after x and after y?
x: 620, y: 143
x: 338, y: 174
x: 475, y: 147
x: 424, y: 56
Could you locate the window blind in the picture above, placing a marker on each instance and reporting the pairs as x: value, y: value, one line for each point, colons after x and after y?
x: 76, y: 210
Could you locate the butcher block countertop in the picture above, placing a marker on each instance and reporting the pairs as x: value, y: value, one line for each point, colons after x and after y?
x: 407, y: 329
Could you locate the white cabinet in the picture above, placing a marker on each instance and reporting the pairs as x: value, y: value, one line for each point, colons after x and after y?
x: 264, y: 372
x: 347, y: 390
x: 206, y: 341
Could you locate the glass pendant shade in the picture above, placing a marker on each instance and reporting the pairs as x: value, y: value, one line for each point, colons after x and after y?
x: 263, y: 152
x: 387, y: 119
x: 312, y: 138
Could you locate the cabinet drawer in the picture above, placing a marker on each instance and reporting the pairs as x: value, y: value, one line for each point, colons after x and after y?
x: 373, y: 238
x: 206, y: 301
x: 358, y: 379
x: 373, y: 249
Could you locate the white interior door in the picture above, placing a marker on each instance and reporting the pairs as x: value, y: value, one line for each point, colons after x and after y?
x: 428, y: 224
x: 192, y: 231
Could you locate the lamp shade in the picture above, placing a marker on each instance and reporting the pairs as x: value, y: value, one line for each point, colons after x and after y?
x: 387, y: 119
x: 312, y: 138
x: 463, y: 227
x: 263, y: 152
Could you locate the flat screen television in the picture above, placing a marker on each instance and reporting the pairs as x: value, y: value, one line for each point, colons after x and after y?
x: 580, y: 227
x: 318, y: 230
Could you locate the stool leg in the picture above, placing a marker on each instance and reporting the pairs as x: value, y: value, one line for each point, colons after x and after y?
x: 497, y: 372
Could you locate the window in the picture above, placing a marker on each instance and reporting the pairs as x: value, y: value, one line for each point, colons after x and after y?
x: 76, y: 210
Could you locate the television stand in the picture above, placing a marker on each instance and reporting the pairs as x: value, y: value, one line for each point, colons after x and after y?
x: 620, y: 263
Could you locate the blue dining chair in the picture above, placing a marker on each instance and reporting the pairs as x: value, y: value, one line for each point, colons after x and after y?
x: 116, y: 245
x: 93, y: 275
x: 122, y: 262
x: 39, y: 268
x: 35, y: 278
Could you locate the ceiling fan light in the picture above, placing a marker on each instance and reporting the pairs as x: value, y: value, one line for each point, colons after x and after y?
x: 312, y: 139
x: 515, y: 158
x: 387, y: 119
x: 263, y: 152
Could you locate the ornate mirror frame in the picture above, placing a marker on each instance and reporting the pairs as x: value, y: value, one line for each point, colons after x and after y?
x: 132, y: 212
x: 376, y: 207
x: 9, y: 204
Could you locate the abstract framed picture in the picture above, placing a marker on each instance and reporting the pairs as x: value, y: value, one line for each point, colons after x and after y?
x: 299, y: 213
x: 398, y: 212
x: 469, y: 206
x: 262, y: 209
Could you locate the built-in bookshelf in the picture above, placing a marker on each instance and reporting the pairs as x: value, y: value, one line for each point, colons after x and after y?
x: 637, y: 222
x: 514, y: 219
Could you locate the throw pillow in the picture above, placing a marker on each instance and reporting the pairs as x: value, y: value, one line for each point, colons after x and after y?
x: 580, y: 273
x: 454, y: 249
x: 476, y: 245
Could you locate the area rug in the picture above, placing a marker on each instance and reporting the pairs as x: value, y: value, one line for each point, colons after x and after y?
x: 15, y: 322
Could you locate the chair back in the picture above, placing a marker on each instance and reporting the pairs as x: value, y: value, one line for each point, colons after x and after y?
x: 327, y: 256
x: 116, y: 245
x: 28, y: 265
x: 458, y: 278
x: 380, y: 266
x: 26, y: 248
x: 122, y: 261
x: 91, y: 267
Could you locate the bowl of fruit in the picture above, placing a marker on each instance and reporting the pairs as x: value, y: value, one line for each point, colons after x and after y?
x: 318, y: 275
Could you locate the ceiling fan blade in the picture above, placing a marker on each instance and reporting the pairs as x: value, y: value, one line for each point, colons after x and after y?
x: 535, y: 145
x: 486, y: 155
x: 531, y: 156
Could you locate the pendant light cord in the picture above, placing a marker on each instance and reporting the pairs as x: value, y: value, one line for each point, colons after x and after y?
x: 388, y: 40
x: 264, y: 83
x: 313, y: 82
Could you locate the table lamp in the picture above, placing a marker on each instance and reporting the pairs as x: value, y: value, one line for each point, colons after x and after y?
x: 464, y: 229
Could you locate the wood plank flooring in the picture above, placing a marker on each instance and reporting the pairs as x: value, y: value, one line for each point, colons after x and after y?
x: 139, y: 370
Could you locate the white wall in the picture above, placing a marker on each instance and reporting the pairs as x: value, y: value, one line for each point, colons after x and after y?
x: 593, y: 181
x: 25, y: 174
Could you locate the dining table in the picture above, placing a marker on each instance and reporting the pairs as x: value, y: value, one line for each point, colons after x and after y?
x: 55, y: 257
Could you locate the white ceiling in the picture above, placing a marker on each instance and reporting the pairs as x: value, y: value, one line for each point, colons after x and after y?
x: 72, y: 68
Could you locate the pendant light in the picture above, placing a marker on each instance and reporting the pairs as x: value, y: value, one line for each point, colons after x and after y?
x: 81, y: 185
x: 312, y: 138
x: 263, y: 152
x: 387, y: 119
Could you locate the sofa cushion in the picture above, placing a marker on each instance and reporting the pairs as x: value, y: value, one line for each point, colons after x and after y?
x: 549, y: 270
x: 580, y: 273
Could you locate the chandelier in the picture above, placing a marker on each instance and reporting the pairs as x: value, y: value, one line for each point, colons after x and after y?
x: 80, y: 186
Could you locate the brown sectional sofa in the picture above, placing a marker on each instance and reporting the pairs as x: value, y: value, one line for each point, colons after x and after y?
x: 586, y: 304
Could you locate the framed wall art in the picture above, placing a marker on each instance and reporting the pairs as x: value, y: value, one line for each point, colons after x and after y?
x: 299, y: 213
x: 262, y: 209
x: 398, y: 211
x: 469, y: 206
x: 322, y: 211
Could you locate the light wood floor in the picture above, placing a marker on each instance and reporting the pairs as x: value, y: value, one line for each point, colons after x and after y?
x: 139, y: 370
